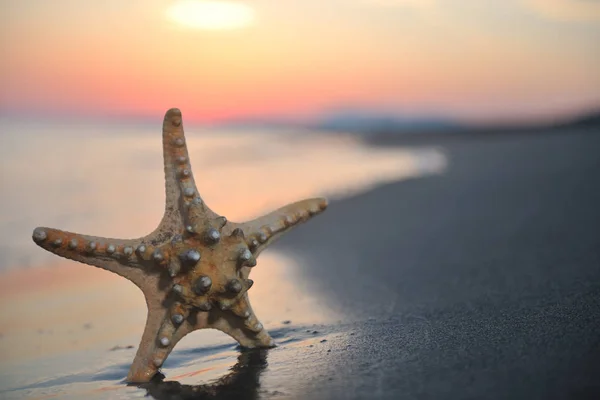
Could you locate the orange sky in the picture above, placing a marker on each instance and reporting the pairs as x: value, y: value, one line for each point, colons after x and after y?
x: 464, y: 58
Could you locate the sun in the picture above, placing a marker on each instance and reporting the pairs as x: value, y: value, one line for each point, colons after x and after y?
x: 211, y: 15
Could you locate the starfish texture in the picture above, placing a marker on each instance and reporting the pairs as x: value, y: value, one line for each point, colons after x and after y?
x: 193, y: 269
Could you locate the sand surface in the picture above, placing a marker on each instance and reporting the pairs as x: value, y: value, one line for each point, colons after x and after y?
x: 481, y: 282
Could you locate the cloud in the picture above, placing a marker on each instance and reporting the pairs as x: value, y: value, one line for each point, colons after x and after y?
x: 566, y: 10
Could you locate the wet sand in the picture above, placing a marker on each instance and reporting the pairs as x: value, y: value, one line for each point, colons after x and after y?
x: 482, y: 282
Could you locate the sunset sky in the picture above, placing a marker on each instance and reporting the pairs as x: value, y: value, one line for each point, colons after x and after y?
x: 467, y: 59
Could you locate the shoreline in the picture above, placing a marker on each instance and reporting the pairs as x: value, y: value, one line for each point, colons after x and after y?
x: 475, y: 283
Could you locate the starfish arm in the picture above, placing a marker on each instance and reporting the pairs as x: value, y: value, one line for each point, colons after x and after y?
x: 183, y: 206
x: 160, y: 336
x: 193, y: 269
x: 264, y: 230
x: 241, y: 324
x: 115, y: 255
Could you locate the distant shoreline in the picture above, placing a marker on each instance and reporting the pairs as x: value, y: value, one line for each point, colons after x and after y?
x: 382, y: 139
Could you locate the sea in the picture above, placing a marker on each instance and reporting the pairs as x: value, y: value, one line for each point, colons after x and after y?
x: 69, y: 330
x: 107, y: 179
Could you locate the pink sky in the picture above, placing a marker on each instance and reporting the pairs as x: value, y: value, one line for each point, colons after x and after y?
x: 484, y: 59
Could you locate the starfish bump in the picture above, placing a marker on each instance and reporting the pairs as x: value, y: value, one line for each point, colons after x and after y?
x: 193, y: 269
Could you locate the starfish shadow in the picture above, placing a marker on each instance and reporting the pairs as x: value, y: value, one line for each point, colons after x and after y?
x: 242, y: 382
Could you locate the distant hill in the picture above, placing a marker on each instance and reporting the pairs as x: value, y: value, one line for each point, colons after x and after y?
x: 588, y: 120
x: 370, y: 124
x: 366, y: 122
x: 356, y: 121
x: 388, y: 127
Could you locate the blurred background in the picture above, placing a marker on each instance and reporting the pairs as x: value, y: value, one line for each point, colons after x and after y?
x: 91, y: 81
x: 305, y: 62
x: 481, y: 102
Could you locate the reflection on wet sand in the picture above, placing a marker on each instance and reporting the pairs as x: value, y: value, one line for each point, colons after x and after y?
x: 73, y: 307
x: 241, y: 383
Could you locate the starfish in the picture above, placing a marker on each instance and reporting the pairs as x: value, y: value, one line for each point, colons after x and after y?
x: 193, y: 269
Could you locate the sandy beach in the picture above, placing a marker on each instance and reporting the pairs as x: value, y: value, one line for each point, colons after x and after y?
x: 422, y: 175
x: 477, y: 282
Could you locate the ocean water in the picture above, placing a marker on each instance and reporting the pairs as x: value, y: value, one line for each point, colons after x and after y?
x: 108, y: 179
x: 69, y: 330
